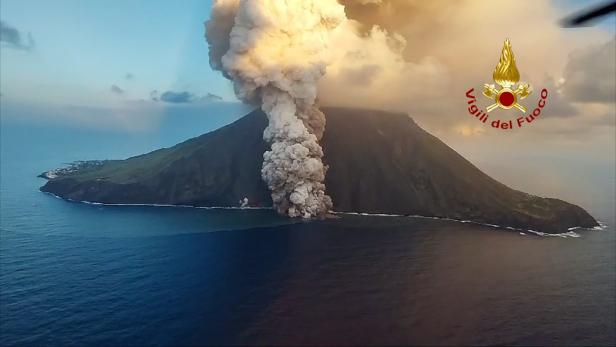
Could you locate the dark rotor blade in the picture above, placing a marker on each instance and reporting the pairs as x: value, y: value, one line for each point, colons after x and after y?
x: 582, y: 17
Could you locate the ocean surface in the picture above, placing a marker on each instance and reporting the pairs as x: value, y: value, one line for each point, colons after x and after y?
x: 79, y: 274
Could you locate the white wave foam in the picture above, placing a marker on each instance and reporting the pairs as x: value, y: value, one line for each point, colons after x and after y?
x: 569, y: 233
x: 564, y: 235
x: 368, y: 214
x: 163, y: 205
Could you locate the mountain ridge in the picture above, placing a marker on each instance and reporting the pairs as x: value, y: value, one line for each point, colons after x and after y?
x: 379, y: 162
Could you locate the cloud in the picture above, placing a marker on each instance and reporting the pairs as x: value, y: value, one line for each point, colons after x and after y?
x: 12, y: 38
x: 211, y: 98
x: 116, y: 90
x: 420, y: 57
x: 183, y: 97
x: 589, y: 75
x: 129, y: 76
x: 154, y: 95
x: 217, y: 30
x: 177, y: 97
x: 559, y: 105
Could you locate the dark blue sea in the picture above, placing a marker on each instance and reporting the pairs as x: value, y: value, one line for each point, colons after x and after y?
x: 78, y: 274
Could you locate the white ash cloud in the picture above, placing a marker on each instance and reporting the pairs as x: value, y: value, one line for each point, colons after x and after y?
x: 218, y: 28
x: 275, y: 52
x: 421, y: 56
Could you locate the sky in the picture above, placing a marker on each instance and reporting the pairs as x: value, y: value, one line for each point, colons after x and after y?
x: 101, y: 52
x: 78, y: 59
x: 83, y: 48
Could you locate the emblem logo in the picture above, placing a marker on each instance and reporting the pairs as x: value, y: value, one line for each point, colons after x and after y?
x: 511, y: 92
x: 506, y: 74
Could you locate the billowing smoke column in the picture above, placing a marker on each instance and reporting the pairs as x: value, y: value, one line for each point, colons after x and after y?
x: 275, y: 51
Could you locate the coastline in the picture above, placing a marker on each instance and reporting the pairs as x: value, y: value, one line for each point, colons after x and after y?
x: 569, y: 234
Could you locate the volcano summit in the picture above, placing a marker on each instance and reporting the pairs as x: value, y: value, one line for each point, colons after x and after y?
x: 379, y: 162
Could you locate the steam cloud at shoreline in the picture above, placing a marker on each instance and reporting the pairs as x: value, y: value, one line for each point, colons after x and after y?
x: 275, y: 52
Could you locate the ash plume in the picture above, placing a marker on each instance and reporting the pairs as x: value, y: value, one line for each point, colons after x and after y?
x: 275, y: 52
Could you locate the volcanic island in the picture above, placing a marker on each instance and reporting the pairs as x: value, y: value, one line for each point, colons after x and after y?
x: 379, y: 163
